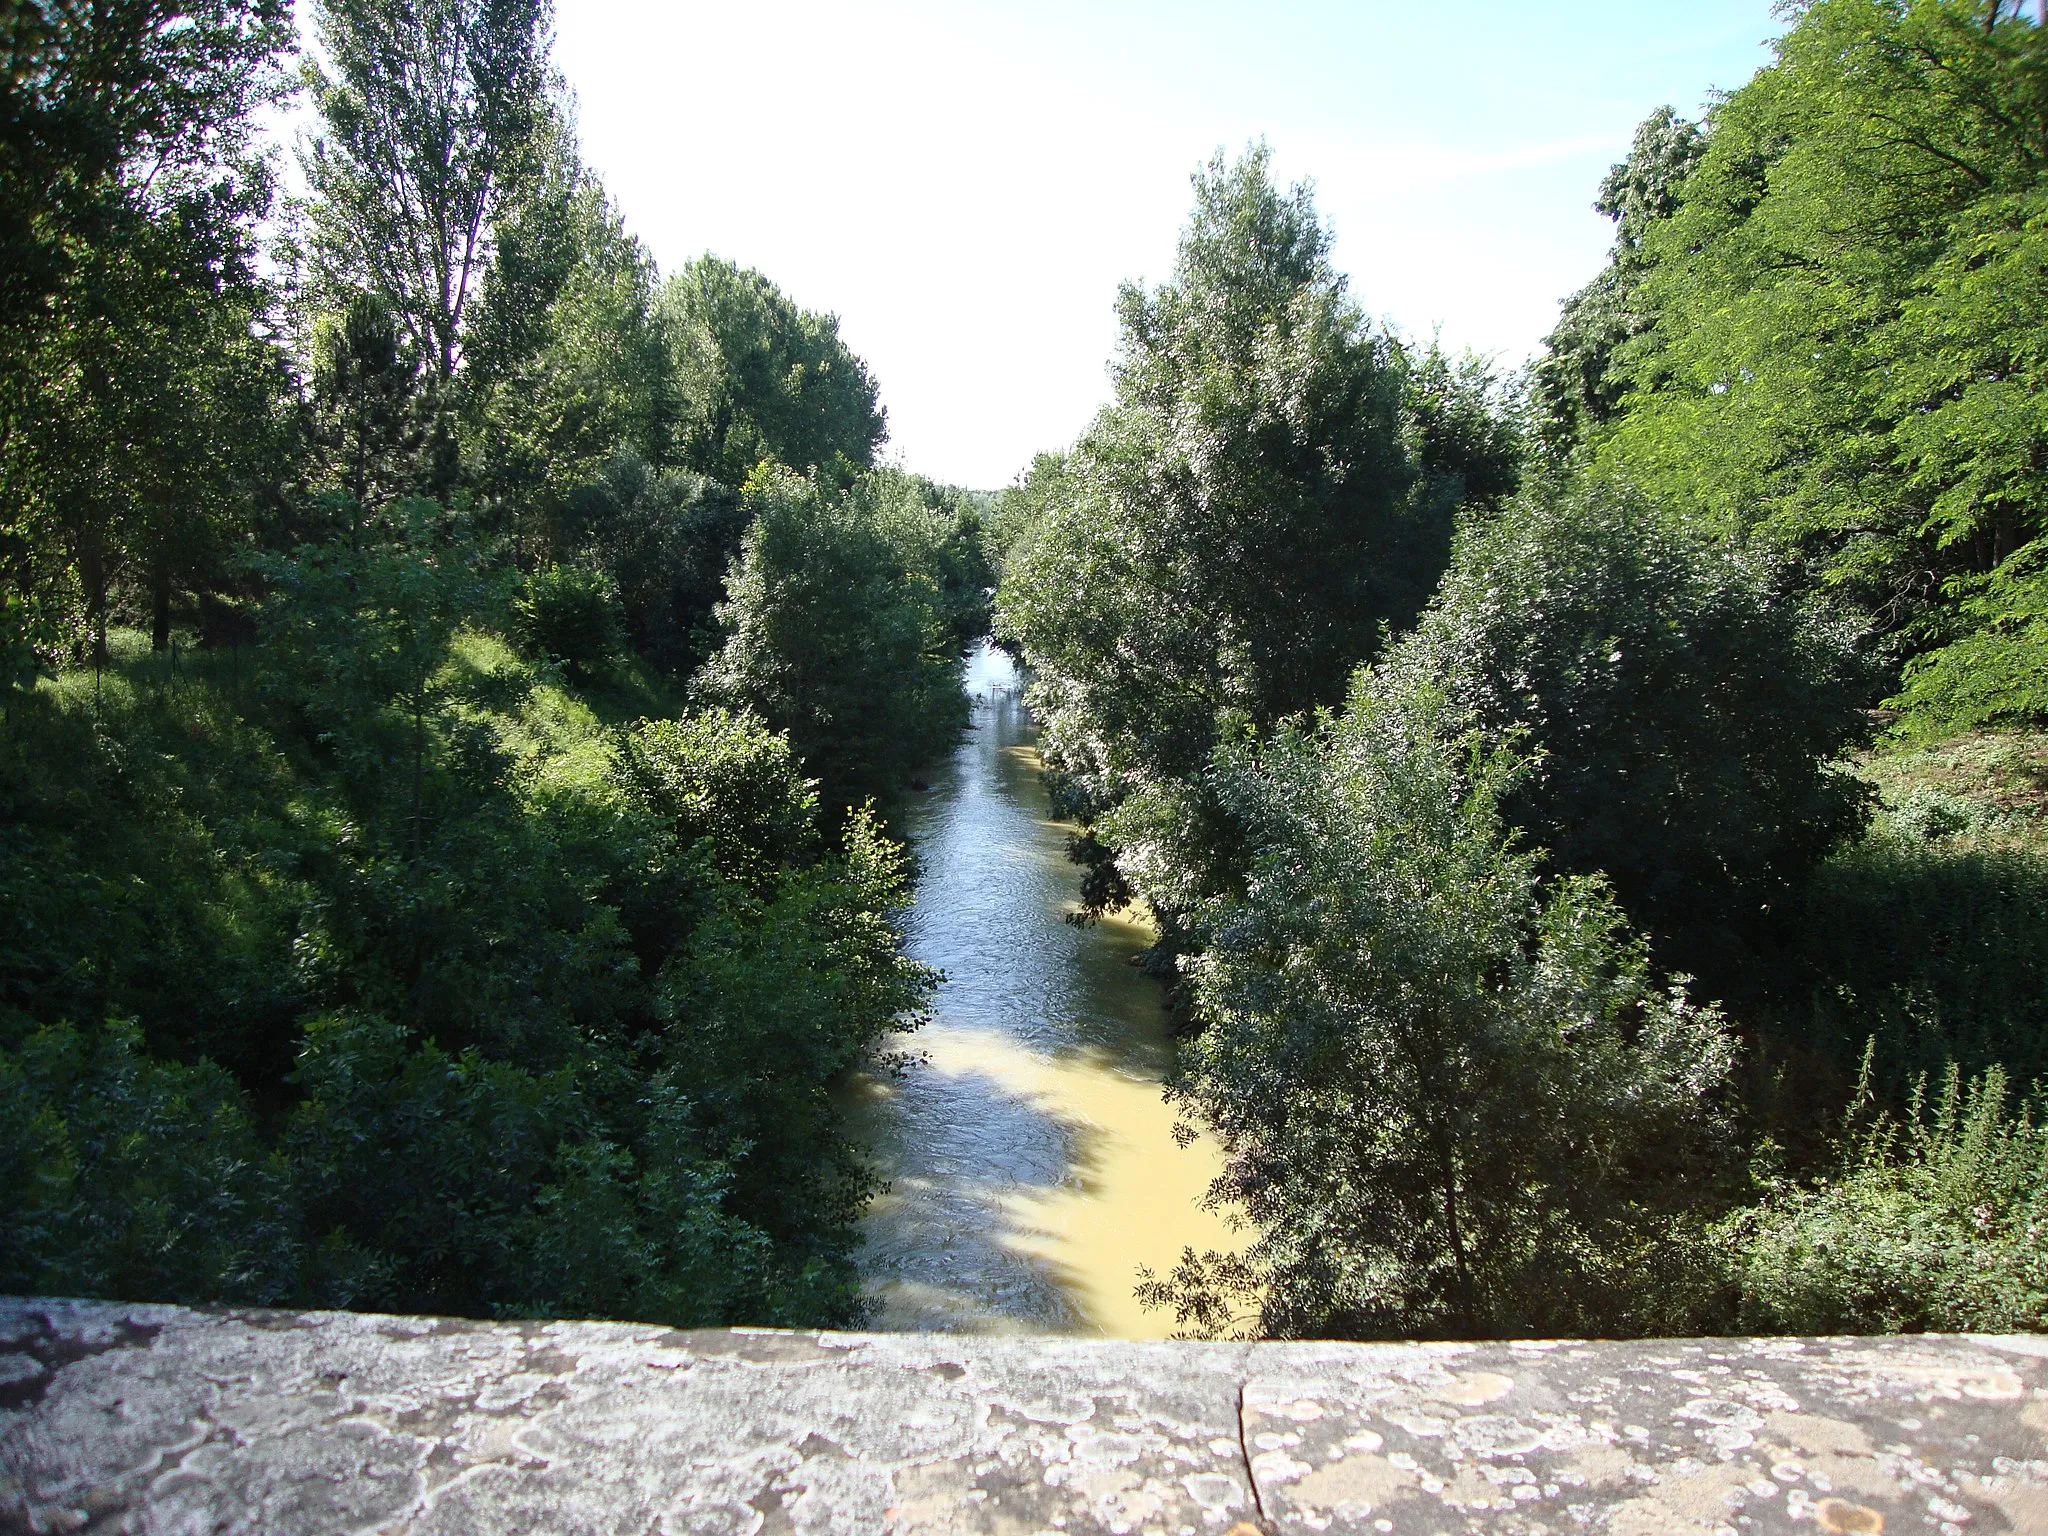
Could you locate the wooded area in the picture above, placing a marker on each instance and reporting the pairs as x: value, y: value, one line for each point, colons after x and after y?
x: 460, y: 683
x: 455, y: 679
x: 1647, y: 937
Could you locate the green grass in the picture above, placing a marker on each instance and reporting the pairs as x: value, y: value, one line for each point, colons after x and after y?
x: 1981, y: 785
x: 1928, y: 935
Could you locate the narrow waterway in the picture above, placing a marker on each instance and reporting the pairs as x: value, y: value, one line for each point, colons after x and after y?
x: 1031, y: 1157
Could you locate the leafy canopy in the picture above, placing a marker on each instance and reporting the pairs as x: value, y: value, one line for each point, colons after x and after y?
x: 1453, y: 1098
x: 1235, y: 528
x: 1840, y: 317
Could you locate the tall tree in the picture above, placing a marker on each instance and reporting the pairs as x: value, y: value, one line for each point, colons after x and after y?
x: 106, y: 109
x: 364, y: 392
x: 834, y: 636
x: 1850, y: 315
x: 765, y: 380
x: 431, y: 112
x: 128, y: 193
x: 1578, y: 388
x: 1233, y: 533
x: 572, y: 364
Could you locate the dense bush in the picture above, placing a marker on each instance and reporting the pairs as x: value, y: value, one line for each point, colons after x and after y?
x: 938, y: 530
x: 1926, y: 939
x: 727, y: 785
x: 1453, y: 1099
x: 445, y: 995
x: 837, y: 635
x: 666, y: 539
x: 570, y: 614
x: 1688, y: 709
x: 371, y: 958
x: 130, y: 1177
x: 1934, y: 1220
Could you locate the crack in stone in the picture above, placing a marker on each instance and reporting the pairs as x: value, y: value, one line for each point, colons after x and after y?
x: 1244, y: 1452
x: 789, y: 1433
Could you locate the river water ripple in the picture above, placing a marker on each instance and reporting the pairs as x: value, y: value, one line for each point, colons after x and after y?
x: 1031, y: 1157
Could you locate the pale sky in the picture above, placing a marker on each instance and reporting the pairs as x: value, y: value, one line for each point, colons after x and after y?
x: 965, y: 184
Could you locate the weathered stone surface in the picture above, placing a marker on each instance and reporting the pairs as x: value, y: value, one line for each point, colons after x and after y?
x: 167, y: 1420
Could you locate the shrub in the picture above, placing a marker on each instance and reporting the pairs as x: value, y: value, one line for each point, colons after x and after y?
x: 1686, y: 708
x: 446, y: 995
x: 468, y: 1185
x: 1453, y: 1099
x: 1930, y: 947
x: 667, y: 539
x: 728, y: 783
x: 570, y: 614
x: 134, y: 1178
x: 1937, y: 1220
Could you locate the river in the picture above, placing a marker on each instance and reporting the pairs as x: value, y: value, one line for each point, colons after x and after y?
x: 1030, y: 1154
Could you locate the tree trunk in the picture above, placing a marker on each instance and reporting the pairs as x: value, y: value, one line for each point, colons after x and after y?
x: 1454, y: 1234
x: 419, y: 759
x: 92, y: 573
x: 160, y: 606
x: 2005, y: 531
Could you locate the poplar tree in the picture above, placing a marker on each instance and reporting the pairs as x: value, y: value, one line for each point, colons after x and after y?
x: 132, y: 395
x: 431, y: 116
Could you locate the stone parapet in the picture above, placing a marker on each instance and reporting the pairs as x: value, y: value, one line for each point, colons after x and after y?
x: 151, y: 1419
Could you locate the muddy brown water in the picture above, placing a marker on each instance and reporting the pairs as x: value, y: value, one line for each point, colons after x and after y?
x: 1031, y: 1157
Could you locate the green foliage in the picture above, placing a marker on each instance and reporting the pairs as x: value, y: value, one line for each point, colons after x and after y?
x: 433, y: 989
x: 1453, y: 1099
x: 447, y: 996
x: 837, y: 636
x: 570, y: 614
x: 730, y: 786
x: 939, y: 530
x: 138, y: 432
x: 1460, y: 432
x: 461, y: 1183
x: 1935, y: 1221
x: 765, y: 381
x: 365, y: 398
x: 772, y: 998
x: 1579, y: 380
x: 148, y: 871
x: 357, y: 639
x: 28, y: 635
x: 1997, y: 676
x: 94, y: 94
x: 128, y: 1177
x: 666, y: 538
x: 1234, y: 530
x: 1687, y: 706
x: 375, y: 965
x: 569, y: 366
x: 1016, y: 511
x: 1843, y: 311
